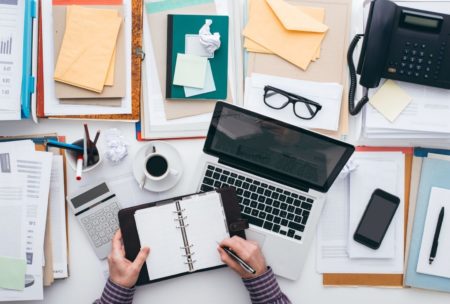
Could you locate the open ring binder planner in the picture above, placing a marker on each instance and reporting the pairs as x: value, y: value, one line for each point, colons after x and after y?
x: 182, y: 233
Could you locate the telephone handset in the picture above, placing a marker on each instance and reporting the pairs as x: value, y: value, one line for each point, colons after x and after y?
x: 402, y: 44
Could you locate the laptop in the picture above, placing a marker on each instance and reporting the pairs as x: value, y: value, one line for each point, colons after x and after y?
x: 281, y: 174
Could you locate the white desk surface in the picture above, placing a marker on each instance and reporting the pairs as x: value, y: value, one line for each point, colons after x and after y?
x: 86, y: 279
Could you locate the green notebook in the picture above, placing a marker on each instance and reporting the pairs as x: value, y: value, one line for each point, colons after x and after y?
x: 178, y: 26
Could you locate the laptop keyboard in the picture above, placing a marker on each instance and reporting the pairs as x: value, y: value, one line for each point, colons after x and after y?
x: 262, y: 204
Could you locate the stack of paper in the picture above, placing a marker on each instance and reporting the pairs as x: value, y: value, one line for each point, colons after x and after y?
x: 293, y: 32
x: 337, y: 251
x: 32, y: 254
x: 426, y: 116
x: 20, y: 158
x: 87, y: 55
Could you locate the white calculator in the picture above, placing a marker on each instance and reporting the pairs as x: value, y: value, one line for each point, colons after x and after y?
x: 96, y: 210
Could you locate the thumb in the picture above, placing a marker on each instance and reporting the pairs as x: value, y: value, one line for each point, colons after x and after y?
x: 141, y: 257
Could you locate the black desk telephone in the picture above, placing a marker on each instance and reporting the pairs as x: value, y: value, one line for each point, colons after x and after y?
x: 403, y: 44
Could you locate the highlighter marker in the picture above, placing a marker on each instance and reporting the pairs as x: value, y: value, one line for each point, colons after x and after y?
x: 79, y: 166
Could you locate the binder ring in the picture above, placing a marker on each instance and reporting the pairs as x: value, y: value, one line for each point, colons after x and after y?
x: 189, y: 255
x: 180, y: 212
x: 180, y: 218
x: 182, y: 226
x: 184, y: 247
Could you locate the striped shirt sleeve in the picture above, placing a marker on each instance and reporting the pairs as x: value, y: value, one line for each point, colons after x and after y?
x: 115, y: 294
x: 265, y: 290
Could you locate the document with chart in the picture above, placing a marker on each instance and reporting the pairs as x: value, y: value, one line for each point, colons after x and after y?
x: 11, y: 47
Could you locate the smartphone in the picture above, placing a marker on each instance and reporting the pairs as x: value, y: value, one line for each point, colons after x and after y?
x: 376, y: 219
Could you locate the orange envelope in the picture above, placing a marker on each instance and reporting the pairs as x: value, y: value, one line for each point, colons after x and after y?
x: 318, y: 13
x: 284, y: 35
x: 87, y: 48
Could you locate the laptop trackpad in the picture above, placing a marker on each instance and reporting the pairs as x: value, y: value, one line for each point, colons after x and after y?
x: 255, y: 236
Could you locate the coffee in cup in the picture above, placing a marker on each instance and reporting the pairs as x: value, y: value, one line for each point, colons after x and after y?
x: 157, y: 167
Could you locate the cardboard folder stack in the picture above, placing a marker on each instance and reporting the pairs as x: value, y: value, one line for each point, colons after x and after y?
x: 293, y: 32
x: 89, y: 59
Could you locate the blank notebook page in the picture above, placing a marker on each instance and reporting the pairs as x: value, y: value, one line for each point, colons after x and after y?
x: 206, y: 227
x: 158, y: 230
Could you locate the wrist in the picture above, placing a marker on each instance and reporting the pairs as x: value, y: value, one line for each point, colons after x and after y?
x: 119, y: 283
x: 266, y: 282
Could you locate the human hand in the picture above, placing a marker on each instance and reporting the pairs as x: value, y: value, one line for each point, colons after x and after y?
x: 248, y: 251
x: 122, y: 271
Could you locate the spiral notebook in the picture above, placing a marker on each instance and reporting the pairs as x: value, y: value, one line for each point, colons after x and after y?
x: 182, y: 233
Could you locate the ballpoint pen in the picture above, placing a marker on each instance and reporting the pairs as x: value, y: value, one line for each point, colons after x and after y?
x: 85, y: 149
x: 436, y: 236
x: 96, y: 137
x: 62, y: 145
x: 240, y: 261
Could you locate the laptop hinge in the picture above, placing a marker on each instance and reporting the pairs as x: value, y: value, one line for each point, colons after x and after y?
x: 267, y: 175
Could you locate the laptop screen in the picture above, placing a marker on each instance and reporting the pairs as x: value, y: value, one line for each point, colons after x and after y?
x: 275, y: 150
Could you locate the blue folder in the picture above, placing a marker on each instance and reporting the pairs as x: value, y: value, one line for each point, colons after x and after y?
x: 435, y: 173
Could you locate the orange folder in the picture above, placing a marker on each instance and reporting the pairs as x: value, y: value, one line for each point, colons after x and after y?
x: 379, y: 279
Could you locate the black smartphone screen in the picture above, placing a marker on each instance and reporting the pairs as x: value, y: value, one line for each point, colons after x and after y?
x: 376, y: 218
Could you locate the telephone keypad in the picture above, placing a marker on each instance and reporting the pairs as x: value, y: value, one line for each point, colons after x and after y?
x: 416, y: 62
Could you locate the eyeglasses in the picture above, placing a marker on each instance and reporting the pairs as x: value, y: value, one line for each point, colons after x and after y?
x: 279, y: 99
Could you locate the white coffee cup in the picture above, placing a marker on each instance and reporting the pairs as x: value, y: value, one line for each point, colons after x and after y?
x: 157, y: 167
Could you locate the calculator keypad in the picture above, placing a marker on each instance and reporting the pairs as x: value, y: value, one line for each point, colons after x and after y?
x: 102, y: 224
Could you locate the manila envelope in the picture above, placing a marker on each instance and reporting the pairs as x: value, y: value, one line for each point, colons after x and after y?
x: 332, y: 65
x: 158, y: 27
x: 296, y: 46
x: 318, y: 13
x: 87, y: 49
x: 71, y: 93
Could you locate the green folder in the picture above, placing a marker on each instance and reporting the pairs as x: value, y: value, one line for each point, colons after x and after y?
x: 177, y: 28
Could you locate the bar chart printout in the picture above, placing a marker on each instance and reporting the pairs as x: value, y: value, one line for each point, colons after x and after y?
x: 11, y: 49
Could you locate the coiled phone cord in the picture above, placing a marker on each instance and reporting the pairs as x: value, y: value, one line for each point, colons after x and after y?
x: 354, y: 110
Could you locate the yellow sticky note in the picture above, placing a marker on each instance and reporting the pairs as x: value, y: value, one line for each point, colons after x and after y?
x: 390, y: 100
x: 296, y: 19
x: 303, y: 46
x: 87, y: 48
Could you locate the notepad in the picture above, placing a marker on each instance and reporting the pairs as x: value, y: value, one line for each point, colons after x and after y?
x: 439, y: 198
x: 182, y: 235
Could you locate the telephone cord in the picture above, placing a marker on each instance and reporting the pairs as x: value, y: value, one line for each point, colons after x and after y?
x: 354, y: 110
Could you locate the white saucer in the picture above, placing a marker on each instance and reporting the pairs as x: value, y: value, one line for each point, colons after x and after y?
x: 174, y: 159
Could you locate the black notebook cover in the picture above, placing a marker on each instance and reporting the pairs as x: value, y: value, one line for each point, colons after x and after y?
x: 236, y: 226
